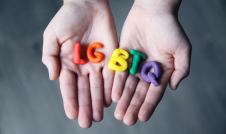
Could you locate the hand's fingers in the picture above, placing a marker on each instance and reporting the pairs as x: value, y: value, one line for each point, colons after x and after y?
x: 153, y: 97
x: 127, y: 95
x: 120, y: 77
x: 181, y: 65
x: 111, y: 42
x: 85, y: 107
x: 118, y: 85
x: 131, y: 115
x: 96, y: 88
x: 68, y: 84
x: 50, y: 54
x: 108, y: 76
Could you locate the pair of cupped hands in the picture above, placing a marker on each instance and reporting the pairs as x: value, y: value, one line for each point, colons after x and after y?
x: 151, y: 27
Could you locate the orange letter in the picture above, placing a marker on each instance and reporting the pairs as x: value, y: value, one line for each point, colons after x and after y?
x: 93, y: 56
x: 76, y: 56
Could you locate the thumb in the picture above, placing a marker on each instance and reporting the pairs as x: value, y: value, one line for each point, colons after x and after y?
x: 50, y: 55
x: 181, y: 65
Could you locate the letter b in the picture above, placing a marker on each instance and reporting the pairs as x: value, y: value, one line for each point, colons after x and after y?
x: 118, y: 60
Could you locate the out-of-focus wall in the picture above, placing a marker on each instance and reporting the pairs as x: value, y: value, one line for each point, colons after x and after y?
x: 31, y: 104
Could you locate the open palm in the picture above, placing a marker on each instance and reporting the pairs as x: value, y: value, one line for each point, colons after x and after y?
x: 161, y: 38
x: 86, y: 87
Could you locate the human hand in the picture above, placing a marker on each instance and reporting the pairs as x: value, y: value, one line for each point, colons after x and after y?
x: 151, y: 27
x: 84, y: 88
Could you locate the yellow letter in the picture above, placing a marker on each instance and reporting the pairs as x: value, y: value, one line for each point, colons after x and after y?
x: 118, y: 60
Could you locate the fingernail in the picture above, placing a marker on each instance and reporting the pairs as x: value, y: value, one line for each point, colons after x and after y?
x: 128, y: 122
x: 118, y: 115
x: 115, y: 98
x: 50, y: 76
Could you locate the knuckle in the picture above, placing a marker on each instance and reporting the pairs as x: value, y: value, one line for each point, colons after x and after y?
x: 150, y: 104
x: 97, y: 103
x: 134, y: 105
x: 97, y: 87
x: 129, y: 89
x: 120, y: 77
x: 139, y: 94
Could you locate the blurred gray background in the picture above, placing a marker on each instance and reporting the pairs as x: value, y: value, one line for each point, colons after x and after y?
x: 31, y: 104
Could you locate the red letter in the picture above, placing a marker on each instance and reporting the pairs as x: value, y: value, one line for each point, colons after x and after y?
x: 76, y: 55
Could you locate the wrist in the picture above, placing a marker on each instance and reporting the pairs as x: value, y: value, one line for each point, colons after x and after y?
x: 159, y: 6
x: 93, y: 1
x: 89, y: 4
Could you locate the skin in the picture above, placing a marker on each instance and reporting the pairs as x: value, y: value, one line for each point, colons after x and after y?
x: 85, y: 88
x: 157, y: 33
